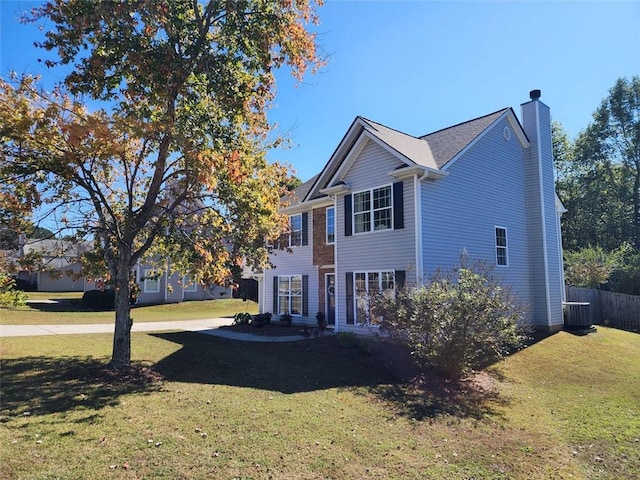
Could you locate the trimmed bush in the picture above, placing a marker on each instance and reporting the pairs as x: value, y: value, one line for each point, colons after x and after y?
x: 456, y: 322
x: 99, y: 299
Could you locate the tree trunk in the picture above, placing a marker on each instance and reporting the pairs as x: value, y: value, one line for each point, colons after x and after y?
x: 121, y: 356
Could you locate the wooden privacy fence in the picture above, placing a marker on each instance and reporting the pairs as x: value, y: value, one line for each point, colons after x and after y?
x: 609, y: 308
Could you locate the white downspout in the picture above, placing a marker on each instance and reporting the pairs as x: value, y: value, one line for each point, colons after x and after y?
x: 417, y: 183
x: 336, y: 327
x: 263, y: 304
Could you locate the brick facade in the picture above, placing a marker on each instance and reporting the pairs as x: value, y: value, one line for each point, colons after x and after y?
x: 322, y: 253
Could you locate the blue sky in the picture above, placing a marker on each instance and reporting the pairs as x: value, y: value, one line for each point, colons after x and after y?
x: 418, y: 66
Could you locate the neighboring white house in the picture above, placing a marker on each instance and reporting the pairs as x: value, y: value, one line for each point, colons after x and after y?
x: 390, y: 208
x: 157, y: 285
x: 57, y: 269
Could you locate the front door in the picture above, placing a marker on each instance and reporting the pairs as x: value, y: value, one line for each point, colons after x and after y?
x: 330, y: 297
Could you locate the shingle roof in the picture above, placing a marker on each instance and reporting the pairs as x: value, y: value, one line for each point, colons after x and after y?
x: 414, y: 149
x: 57, y: 254
x: 56, y: 247
x: 298, y: 193
x: 433, y: 150
x: 447, y: 143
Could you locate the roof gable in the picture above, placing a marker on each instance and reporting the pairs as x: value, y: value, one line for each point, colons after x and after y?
x: 447, y: 143
x: 410, y: 148
x: 407, y: 148
x: 434, y: 151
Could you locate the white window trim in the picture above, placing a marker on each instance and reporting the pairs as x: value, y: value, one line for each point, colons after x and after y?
x: 372, y: 210
x: 290, y: 296
x: 505, y: 247
x: 189, y: 286
x: 152, y: 272
x: 292, y: 231
x: 327, y: 225
x: 366, y: 274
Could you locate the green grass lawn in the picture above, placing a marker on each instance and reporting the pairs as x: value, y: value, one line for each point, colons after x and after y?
x: 70, y: 311
x: 565, y: 407
x: 54, y: 295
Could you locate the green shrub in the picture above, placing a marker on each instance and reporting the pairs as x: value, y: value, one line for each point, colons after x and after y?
x: 626, y: 276
x: 347, y: 339
x: 9, y: 296
x: 455, y: 322
x: 99, y: 299
x: 262, y: 318
x: 352, y: 341
x: 590, y: 267
x: 242, y: 318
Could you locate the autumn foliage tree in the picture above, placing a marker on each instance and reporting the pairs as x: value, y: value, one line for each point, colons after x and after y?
x: 155, y: 143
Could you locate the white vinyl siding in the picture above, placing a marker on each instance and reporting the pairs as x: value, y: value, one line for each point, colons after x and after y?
x: 393, y: 249
x: 298, y: 261
x: 484, y: 187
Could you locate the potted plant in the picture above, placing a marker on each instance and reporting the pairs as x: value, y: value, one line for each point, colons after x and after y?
x: 285, y: 319
x: 322, y: 322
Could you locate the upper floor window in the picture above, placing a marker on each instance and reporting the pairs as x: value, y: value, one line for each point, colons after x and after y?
x: 373, y: 210
x: 295, y: 230
x: 502, y: 258
x: 331, y: 225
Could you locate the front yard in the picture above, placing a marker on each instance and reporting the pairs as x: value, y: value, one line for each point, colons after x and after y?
x: 204, y: 407
x: 68, y: 310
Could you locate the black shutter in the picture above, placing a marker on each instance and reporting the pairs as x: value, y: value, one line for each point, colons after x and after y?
x: 400, y: 279
x: 305, y: 228
x: 305, y: 295
x: 349, y: 286
x: 398, y: 206
x: 275, y: 295
x: 347, y: 216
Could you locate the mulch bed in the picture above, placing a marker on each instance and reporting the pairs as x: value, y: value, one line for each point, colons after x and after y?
x: 274, y: 329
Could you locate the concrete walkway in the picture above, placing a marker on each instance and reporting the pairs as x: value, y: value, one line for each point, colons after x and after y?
x: 210, y: 326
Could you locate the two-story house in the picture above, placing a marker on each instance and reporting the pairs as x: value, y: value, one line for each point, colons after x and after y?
x: 389, y: 208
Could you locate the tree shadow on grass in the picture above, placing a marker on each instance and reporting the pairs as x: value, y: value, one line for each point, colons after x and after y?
x: 287, y: 367
x: 60, y: 306
x: 316, y: 364
x: 45, y: 385
x: 434, y: 397
x: 422, y: 394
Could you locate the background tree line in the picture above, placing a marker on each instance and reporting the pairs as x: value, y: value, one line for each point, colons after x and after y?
x: 598, y: 180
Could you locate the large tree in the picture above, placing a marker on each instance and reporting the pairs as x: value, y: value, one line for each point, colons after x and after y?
x: 599, y: 173
x: 609, y: 148
x: 155, y: 144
